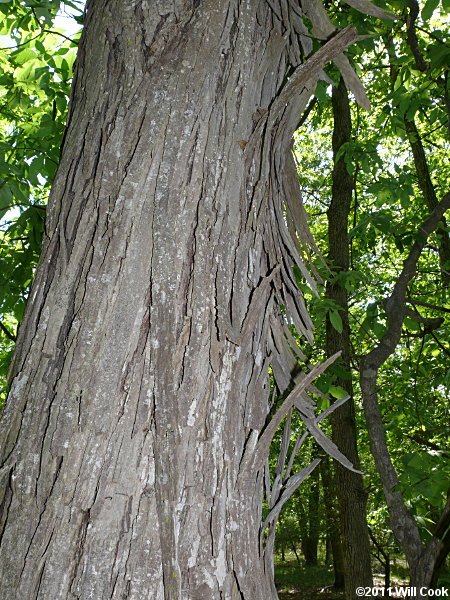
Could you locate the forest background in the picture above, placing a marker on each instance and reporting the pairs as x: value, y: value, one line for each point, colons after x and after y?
x: 369, y: 179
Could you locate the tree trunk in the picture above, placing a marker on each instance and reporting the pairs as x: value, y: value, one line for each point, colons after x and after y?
x: 311, y: 541
x: 140, y: 378
x: 328, y: 551
x: 349, y: 486
x: 332, y: 522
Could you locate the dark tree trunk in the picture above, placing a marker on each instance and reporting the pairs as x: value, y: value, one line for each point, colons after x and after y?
x: 328, y: 551
x: 309, y: 547
x: 349, y: 485
x: 332, y: 524
x: 311, y: 541
x: 131, y: 462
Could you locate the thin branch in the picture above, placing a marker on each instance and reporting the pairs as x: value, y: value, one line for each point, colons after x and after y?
x: 49, y: 30
x: 307, y: 111
x: 42, y: 31
x: 72, y: 41
x: 429, y: 322
x: 23, y: 43
x: 433, y: 36
x: 7, y: 332
x: 413, y: 42
x: 416, y: 437
x: 427, y: 305
x: 442, y: 347
x: 379, y: 547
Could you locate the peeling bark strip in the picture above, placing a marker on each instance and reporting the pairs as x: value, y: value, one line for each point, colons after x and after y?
x: 140, y: 377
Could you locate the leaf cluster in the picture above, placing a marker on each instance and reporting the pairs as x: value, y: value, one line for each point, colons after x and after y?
x: 36, y: 62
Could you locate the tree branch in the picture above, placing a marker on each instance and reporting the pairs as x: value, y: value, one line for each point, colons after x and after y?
x: 427, y: 305
x: 402, y: 522
x: 413, y: 42
x: 416, y: 437
x: 6, y: 331
x: 395, y: 304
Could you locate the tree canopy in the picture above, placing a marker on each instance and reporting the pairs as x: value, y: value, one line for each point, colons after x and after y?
x: 36, y: 59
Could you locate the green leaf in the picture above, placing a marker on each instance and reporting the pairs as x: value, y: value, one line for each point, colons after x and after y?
x: 322, y: 404
x: 35, y: 169
x: 337, y: 392
x: 335, y: 320
x: 24, y: 56
x: 378, y: 328
x: 439, y: 55
x: 340, y: 372
x: 5, y: 195
x: 411, y: 324
x: 321, y: 91
x: 429, y: 8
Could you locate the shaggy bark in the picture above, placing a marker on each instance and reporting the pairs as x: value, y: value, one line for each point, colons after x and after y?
x: 135, y: 432
x: 310, y: 539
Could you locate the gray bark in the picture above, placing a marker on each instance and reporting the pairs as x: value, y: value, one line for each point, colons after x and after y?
x: 129, y: 463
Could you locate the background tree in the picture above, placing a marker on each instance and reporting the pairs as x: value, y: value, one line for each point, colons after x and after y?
x: 387, y: 206
x: 136, y: 430
x: 349, y: 486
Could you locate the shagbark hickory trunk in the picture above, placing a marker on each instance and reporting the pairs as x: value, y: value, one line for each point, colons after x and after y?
x: 139, y: 381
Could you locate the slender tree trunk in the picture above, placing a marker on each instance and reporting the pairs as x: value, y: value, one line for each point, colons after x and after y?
x: 328, y: 550
x: 311, y: 541
x: 349, y: 485
x: 332, y: 523
x: 294, y: 550
x: 130, y: 463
